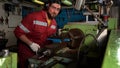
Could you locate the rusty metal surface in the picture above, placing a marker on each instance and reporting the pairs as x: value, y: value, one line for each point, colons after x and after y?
x: 75, y: 35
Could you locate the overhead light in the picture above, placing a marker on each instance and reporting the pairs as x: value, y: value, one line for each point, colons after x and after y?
x: 67, y: 2
x: 39, y: 2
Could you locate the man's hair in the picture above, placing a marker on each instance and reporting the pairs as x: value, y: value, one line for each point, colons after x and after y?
x: 50, y: 2
x: 55, y: 1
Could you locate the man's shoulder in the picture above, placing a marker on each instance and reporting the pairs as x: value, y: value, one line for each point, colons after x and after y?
x: 38, y: 12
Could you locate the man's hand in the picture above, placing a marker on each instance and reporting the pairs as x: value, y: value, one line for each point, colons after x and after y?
x: 34, y: 47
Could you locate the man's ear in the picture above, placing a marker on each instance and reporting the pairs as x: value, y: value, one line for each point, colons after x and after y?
x: 46, y: 6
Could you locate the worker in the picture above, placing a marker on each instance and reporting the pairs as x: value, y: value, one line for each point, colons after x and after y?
x: 34, y: 30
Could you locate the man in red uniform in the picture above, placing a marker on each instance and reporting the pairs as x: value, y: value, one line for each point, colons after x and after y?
x: 33, y: 31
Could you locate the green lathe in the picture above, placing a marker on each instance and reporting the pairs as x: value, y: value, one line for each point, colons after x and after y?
x: 9, y: 61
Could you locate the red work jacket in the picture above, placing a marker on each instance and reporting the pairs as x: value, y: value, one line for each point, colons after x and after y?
x: 36, y: 28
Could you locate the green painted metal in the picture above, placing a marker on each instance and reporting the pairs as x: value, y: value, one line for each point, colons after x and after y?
x: 112, y: 53
x: 58, y: 66
x: 85, y: 27
x: 112, y: 23
x: 88, y: 27
x: 9, y: 61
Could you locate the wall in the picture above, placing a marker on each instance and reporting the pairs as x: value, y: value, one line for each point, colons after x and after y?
x: 13, y: 21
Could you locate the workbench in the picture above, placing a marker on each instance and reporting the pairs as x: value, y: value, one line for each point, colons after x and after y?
x: 9, y: 61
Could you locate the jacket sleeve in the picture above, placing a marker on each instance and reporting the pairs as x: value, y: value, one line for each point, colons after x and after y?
x: 25, y: 26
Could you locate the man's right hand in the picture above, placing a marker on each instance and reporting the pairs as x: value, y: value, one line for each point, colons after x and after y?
x: 34, y: 47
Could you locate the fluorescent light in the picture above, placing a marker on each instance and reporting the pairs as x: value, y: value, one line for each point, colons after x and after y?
x: 39, y: 2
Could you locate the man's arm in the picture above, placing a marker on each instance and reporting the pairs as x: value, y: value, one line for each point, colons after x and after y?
x: 25, y: 40
x: 32, y: 45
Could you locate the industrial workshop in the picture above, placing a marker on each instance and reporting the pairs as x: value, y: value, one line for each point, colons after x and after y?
x: 59, y: 34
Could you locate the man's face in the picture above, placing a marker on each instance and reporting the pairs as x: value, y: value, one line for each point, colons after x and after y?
x: 54, y: 9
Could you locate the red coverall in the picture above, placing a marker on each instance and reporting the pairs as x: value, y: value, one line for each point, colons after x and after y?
x: 36, y: 28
